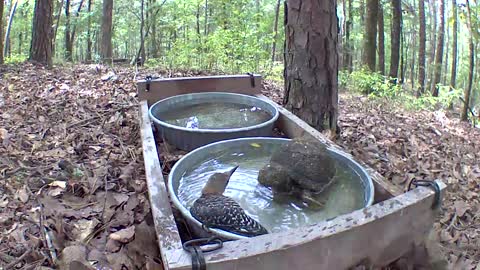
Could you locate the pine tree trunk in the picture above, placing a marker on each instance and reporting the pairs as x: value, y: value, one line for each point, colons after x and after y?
x: 453, y: 77
x: 275, y: 30
x: 381, y: 41
x: 466, y: 102
x: 439, y: 50
x: 42, y: 34
x: 88, y: 56
x: 106, y: 45
x: 371, y: 34
x: 1, y: 31
x: 432, y: 41
x: 311, y: 62
x: 421, y: 48
x: 395, y: 37
x: 68, y: 42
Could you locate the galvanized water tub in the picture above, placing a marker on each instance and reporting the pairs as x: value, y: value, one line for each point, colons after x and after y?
x: 205, y: 153
x: 189, y: 139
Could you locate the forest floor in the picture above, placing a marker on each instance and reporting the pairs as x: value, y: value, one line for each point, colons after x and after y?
x: 73, y: 185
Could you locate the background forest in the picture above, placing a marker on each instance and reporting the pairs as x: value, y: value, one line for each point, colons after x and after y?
x: 429, y: 47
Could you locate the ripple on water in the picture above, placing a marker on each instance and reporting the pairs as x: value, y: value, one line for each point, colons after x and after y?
x: 257, y: 200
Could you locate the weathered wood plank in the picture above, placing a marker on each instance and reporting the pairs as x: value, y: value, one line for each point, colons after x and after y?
x: 378, y: 234
x: 163, y: 88
x: 294, y: 127
x: 165, y: 226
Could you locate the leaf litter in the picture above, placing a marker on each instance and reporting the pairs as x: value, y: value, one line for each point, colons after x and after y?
x: 74, y: 194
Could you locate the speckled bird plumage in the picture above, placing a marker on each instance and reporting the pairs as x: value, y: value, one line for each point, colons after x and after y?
x: 215, y: 210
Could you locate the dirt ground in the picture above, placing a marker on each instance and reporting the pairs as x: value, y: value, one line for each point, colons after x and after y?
x: 73, y: 185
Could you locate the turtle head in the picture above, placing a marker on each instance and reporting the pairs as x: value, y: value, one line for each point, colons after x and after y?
x: 217, y: 183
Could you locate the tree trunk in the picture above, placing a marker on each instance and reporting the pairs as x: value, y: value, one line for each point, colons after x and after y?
x: 453, y: 77
x: 447, y: 48
x: 412, y: 61
x: 439, y: 50
x: 395, y: 37
x: 275, y: 30
x: 68, y: 42
x: 381, y: 41
x: 311, y: 62
x: 88, y: 56
x: 106, y: 47
x: 371, y: 34
x: 42, y: 34
x: 1, y: 32
x: 466, y: 102
x: 6, y: 46
x: 421, y: 48
x: 403, y: 52
x: 57, y: 19
x: 351, y: 48
x: 205, y: 30
x: 433, y: 41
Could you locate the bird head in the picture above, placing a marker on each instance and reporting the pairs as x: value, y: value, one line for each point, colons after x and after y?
x: 217, y: 183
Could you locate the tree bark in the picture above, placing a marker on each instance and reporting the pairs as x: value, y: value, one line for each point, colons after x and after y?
x: 106, y: 46
x: 381, y: 41
x: 6, y: 45
x: 466, y: 102
x: 350, y: 43
x: 88, y: 55
x: 57, y: 19
x: 68, y: 42
x: 1, y: 31
x: 311, y: 62
x: 433, y: 41
x: 439, y: 50
x: 395, y: 37
x: 42, y: 32
x: 421, y: 48
x: 371, y: 34
x: 453, y: 77
x: 275, y: 30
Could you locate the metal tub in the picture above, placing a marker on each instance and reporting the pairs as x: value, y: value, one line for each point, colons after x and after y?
x: 205, y: 153
x: 189, y: 139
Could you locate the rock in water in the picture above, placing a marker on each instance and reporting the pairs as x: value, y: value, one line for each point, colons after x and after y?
x: 301, y: 168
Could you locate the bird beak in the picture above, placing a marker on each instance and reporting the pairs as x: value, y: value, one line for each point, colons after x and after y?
x: 233, y: 170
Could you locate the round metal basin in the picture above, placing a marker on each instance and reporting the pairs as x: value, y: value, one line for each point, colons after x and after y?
x: 188, y: 139
x: 208, y: 152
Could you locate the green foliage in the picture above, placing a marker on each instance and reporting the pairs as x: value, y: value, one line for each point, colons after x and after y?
x: 378, y: 86
x: 16, y: 58
x: 372, y: 83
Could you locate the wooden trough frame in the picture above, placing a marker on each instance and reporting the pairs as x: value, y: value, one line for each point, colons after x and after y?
x: 378, y: 234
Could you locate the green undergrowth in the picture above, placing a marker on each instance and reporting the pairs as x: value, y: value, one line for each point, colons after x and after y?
x: 377, y: 86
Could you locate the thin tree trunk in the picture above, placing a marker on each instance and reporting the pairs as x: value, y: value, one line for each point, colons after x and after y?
x: 412, y: 62
x: 311, y: 66
x: 453, y: 75
x: 381, y: 41
x: 68, y: 43
x: 395, y: 37
x: 275, y: 30
x: 106, y: 45
x: 403, y: 52
x: 1, y: 31
x: 41, y: 46
x: 433, y: 41
x: 439, y: 50
x: 6, y: 46
x: 351, y: 48
x: 446, y: 53
x: 88, y: 56
x: 421, y: 48
x: 57, y: 18
x: 466, y: 102
x: 205, y: 30
x: 371, y: 34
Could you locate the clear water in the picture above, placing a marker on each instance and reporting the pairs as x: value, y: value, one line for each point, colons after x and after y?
x: 216, y: 115
x: 345, y: 196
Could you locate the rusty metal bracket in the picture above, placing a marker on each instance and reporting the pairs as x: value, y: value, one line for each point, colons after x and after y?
x: 148, y: 80
x: 252, y: 79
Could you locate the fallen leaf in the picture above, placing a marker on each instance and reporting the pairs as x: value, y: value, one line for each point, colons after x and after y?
x: 4, y: 201
x: 22, y: 194
x: 256, y: 145
x: 60, y: 184
x: 123, y: 236
x: 113, y: 245
x: 460, y: 208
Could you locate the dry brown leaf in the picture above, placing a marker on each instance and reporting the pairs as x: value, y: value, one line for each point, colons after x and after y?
x: 123, y: 236
x: 22, y: 194
x: 461, y: 208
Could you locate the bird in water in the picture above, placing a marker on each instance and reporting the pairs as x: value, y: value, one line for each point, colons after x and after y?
x: 214, y: 210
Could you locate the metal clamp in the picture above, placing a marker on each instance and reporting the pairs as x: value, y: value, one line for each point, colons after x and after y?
x: 428, y: 183
x: 196, y: 251
x: 252, y: 79
x: 148, y: 80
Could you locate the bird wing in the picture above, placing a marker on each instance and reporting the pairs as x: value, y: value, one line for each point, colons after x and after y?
x: 218, y: 211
